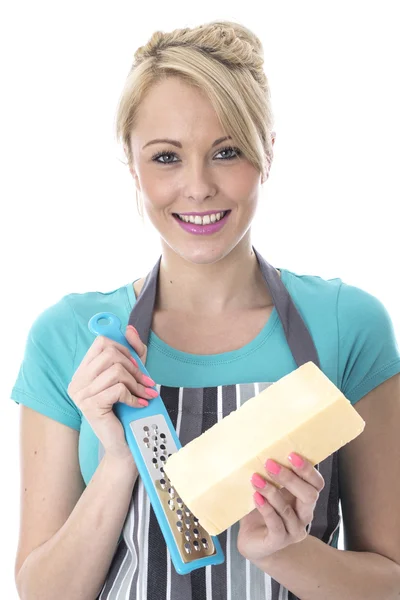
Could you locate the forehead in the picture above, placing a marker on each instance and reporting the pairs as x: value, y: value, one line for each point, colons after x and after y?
x: 173, y: 108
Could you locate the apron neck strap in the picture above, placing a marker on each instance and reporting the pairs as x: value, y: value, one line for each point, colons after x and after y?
x: 297, y: 335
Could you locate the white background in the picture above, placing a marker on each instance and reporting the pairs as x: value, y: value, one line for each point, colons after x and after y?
x: 69, y: 219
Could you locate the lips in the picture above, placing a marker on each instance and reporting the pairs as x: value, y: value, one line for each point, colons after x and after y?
x: 200, y: 229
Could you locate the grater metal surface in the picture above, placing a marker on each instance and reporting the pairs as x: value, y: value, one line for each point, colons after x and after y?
x: 155, y: 444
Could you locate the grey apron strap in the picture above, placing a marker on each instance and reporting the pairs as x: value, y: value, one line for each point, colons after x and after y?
x: 297, y: 335
x: 142, y: 313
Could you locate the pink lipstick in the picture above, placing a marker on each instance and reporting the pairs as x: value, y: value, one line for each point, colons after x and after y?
x: 203, y: 229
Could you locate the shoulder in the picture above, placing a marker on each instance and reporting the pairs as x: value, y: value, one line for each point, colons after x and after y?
x: 304, y: 285
x: 65, y: 323
x: 354, y: 306
x: 351, y: 328
x: 53, y: 318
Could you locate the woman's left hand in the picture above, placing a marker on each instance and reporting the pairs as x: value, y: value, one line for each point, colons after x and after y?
x: 281, y: 516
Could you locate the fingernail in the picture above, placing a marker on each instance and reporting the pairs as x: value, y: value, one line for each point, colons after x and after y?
x: 143, y: 402
x: 272, y: 467
x: 148, y: 381
x: 151, y: 392
x: 134, y: 361
x: 257, y: 480
x: 296, y: 460
x: 260, y: 500
x: 134, y: 330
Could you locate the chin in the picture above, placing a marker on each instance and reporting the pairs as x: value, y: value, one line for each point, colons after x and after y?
x: 203, y: 254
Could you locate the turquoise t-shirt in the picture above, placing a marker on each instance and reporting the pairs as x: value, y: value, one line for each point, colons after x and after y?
x: 351, y: 329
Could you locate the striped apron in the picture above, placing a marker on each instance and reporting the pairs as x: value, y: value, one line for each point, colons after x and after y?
x: 141, y: 568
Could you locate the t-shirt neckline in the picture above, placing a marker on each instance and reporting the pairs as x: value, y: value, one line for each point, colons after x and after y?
x: 186, y: 357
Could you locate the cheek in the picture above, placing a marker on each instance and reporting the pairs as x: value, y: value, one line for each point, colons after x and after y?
x: 156, y: 194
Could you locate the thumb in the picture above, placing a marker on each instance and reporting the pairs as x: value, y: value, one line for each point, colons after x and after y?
x: 134, y: 340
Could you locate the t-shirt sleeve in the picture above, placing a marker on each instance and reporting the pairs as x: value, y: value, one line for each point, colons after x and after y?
x: 48, y: 365
x: 368, y: 349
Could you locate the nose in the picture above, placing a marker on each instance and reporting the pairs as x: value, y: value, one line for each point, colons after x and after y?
x: 199, y: 183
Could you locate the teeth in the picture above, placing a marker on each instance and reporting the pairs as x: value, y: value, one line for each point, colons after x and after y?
x: 202, y: 220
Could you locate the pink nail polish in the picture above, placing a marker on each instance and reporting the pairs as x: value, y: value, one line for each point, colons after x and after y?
x: 260, y: 500
x: 258, y: 481
x: 143, y: 402
x: 148, y: 381
x: 272, y: 467
x: 134, y: 361
x: 151, y: 392
x: 133, y: 328
x: 296, y: 460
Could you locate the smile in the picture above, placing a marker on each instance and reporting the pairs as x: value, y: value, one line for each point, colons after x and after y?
x: 205, y: 225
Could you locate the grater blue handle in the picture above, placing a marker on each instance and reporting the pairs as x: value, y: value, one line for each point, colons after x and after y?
x: 109, y: 325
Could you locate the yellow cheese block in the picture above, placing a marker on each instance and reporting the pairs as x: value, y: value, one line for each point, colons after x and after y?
x: 303, y: 412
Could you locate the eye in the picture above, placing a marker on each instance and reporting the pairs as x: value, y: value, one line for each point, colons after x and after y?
x: 230, y: 149
x: 164, y: 153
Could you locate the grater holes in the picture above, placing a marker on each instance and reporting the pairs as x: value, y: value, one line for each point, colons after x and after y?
x: 179, y: 526
x: 171, y: 504
x: 171, y: 492
x: 187, y: 523
x: 162, y: 457
x: 163, y: 483
x: 179, y: 501
x: 196, y: 545
x: 179, y: 513
x: 188, y: 547
x: 163, y: 436
x: 155, y: 427
x: 145, y: 428
x: 204, y: 542
x: 187, y: 536
x: 196, y: 533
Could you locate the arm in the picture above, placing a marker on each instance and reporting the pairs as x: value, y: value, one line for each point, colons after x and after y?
x: 369, y: 569
x: 67, y: 536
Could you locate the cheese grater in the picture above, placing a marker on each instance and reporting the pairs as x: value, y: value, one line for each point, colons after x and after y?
x: 152, y: 438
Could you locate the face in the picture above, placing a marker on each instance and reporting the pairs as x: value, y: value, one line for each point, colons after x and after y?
x: 196, y: 174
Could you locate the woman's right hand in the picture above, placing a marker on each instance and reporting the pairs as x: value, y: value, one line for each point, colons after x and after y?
x: 106, y: 375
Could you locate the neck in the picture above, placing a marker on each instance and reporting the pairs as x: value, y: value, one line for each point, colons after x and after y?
x: 232, y: 283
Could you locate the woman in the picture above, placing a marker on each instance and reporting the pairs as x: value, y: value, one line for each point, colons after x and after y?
x: 196, y: 124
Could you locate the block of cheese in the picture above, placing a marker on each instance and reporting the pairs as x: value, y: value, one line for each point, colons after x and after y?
x: 302, y: 412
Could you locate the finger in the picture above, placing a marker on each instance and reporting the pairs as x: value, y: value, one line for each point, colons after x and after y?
x: 282, y: 508
x: 272, y: 520
x: 134, y: 340
x: 99, y: 345
x: 111, y: 366
x: 116, y: 393
x: 117, y: 373
x: 306, y: 471
x: 300, y: 488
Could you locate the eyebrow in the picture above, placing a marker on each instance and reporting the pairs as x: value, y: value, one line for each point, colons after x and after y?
x: 179, y: 145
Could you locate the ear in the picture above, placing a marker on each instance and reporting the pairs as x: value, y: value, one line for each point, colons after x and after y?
x: 133, y: 172
x: 267, y: 169
x: 268, y: 165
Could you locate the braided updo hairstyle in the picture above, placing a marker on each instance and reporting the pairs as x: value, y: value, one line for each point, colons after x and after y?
x: 222, y: 58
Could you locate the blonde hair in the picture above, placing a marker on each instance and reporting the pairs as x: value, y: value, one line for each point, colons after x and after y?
x: 222, y: 58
